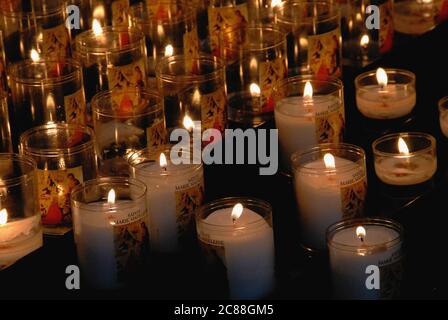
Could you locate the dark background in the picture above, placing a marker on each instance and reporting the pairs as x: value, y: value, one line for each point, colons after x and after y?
x: 300, y: 276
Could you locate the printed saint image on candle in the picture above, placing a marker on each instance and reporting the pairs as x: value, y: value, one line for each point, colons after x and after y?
x: 324, y: 54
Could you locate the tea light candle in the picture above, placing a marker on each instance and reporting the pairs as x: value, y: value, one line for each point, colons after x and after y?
x: 243, y: 240
x: 443, y: 114
x: 405, y: 158
x: 103, y: 229
x: 175, y: 190
x: 358, y: 243
x: 328, y: 189
x: 303, y: 121
x: 385, y: 94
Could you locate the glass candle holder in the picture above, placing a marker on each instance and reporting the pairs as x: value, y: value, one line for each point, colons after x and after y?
x: 46, y: 91
x: 405, y: 158
x: 443, y: 115
x: 111, y: 230
x: 262, y: 11
x: 5, y: 129
x: 238, y: 241
x: 331, y: 185
x: 362, y: 46
x: 385, y: 93
x: 38, y: 25
x: 110, y: 12
x: 65, y: 157
x: 125, y: 122
x: 170, y: 29
x: 3, y: 75
x: 358, y: 244
x: 20, y: 227
x: 416, y: 17
x: 311, y: 109
x: 313, y: 37
x: 255, y: 62
x: 193, y: 87
x: 175, y: 191
x: 112, y: 58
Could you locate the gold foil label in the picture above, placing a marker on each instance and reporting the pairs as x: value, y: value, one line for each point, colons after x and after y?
x: 120, y: 9
x: 55, y: 42
x: 271, y: 73
x: 75, y: 108
x: 330, y: 123
x: 214, y: 110
x: 324, y: 54
x: 156, y: 134
x: 353, y: 194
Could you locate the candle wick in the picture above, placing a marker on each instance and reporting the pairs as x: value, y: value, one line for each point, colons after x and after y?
x: 362, y: 239
x: 233, y: 220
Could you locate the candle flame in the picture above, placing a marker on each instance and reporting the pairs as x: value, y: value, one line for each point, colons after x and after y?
x: 360, y: 232
x: 96, y: 27
x: 3, y: 216
x: 169, y: 50
x: 237, y: 211
x: 188, y: 123
x: 253, y: 64
x: 329, y: 161
x: 308, y: 91
x: 381, y: 77
x: 364, y: 41
x: 162, y: 160
x: 111, y: 196
x: 34, y: 55
x: 98, y: 12
x: 254, y: 89
x: 403, y: 147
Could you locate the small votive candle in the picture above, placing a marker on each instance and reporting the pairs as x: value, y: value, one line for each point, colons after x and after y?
x: 237, y: 237
x: 111, y: 230
x: 385, y: 93
x: 405, y: 158
x: 330, y: 185
x: 443, y: 115
x: 356, y: 245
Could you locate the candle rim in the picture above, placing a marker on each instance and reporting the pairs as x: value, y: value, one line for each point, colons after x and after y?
x: 320, y: 18
x: 280, y: 38
x: 395, y: 136
x: 30, y: 166
x: 43, y: 12
x: 391, y: 73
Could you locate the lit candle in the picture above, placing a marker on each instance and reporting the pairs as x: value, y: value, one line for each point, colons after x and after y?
x: 111, y: 229
x: 328, y: 188
x: 385, y: 94
x: 303, y: 121
x: 174, y: 192
x: 356, y: 244
x: 396, y: 164
x: 241, y: 236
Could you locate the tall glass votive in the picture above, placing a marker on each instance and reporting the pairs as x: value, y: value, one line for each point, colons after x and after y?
x: 308, y: 111
x: 313, y: 37
x: 125, y: 122
x: 358, y: 245
x: 193, y: 87
x: 20, y: 227
x: 170, y: 30
x: 361, y: 45
x: 65, y: 157
x: 46, y: 91
x: 238, y: 241
x: 38, y: 25
x: 111, y: 230
x: 443, y: 115
x: 331, y: 185
x: 255, y: 62
x: 112, y: 58
x: 175, y: 191
x: 5, y: 128
x: 385, y: 94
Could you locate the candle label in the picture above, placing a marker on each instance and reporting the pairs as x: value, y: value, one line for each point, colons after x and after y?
x: 54, y: 187
x: 214, y: 110
x: 189, y: 196
x: 324, y: 54
x: 353, y: 194
x: 391, y: 275
x: 75, y: 108
x: 214, y: 251
x: 330, y: 122
x: 221, y: 18
x: 55, y: 42
x: 156, y: 134
x: 386, y: 32
x: 191, y: 46
x: 271, y: 73
x: 120, y: 10
x: 443, y: 11
x: 131, y: 240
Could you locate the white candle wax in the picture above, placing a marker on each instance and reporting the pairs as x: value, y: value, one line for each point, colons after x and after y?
x: 321, y: 200
x: 348, y: 267
x: 172, y: 196
x: 98, y: 231
x: 295, y: 119
x: 249, y: 252
x: 385, y: 102
x: 19, y: 238
x: 406, y: 170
